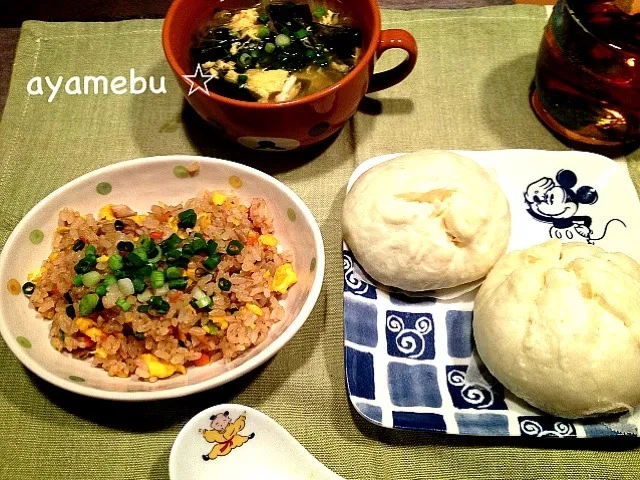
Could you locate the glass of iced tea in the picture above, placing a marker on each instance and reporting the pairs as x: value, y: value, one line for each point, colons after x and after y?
x: 587, y: 82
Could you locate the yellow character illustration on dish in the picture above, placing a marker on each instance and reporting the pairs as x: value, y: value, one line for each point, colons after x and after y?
x: 225, y: 435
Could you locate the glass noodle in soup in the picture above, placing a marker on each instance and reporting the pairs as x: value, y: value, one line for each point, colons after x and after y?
x: 278, y: 53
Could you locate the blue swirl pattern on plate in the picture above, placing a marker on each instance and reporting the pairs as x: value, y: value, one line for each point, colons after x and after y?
x: 406, y: 363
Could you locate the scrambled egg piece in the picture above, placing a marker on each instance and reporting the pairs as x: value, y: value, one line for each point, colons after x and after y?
x: 268, y: 239
x: 220, y: 321
x: 219, y: 67
x: 330, y: 18
x: 106, y: 213
x: 218, y: 198
x: 88, y: 327
x: 284, y: 278
x: 252, y: 307
x: 264, y: 83
x: 204, y: 220
x: 139, y: 219
x: 63, y: 229
x: 31, y: 276
x: 290, y: 90
x: 245, y: 23
x: 103, y: 258
x: 159, y: 368
x: 101, y: 352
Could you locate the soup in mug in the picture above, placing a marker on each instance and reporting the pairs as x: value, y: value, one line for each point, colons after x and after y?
x: 279, y: 53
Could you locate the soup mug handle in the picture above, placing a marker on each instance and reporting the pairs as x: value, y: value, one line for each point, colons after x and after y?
x: 394, y: 38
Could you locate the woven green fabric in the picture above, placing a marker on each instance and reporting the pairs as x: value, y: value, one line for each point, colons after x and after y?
x: 469, y: 91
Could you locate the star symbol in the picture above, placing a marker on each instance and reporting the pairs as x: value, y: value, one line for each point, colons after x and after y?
x: 193, y: 86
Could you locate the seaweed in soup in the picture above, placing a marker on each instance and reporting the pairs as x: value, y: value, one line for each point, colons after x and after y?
x: 276, y: 54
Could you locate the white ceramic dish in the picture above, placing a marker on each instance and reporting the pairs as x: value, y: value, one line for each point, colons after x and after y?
x: 139, y: 184
x: 410, y: 361
x: 234, y: 441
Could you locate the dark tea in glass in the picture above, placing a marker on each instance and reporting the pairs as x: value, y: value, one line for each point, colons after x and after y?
x: 587, y: 82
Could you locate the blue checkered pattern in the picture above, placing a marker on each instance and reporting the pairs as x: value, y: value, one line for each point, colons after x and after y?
x: 406, y: 363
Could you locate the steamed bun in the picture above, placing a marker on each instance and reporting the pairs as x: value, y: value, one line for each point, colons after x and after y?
x: 559, y: 326
x: 426, y: 221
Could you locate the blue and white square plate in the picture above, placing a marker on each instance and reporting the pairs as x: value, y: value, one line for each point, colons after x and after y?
x: 406, y: 359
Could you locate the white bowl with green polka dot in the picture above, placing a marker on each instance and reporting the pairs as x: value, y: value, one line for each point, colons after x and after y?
x: 140, y: 184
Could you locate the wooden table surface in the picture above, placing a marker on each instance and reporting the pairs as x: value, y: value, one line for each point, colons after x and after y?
x: 12, y: 15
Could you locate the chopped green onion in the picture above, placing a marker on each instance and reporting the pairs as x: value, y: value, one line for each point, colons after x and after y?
x: 146, y: 242
x: 125, y: 246
x: 173, y: 272
x: 144, y: 296
x: 143, y: 271
x: 85, y: 264
x: 234, y: 247
x: 269, y: 47
x: 173, y: 254
x: 302, y: 33
x: 77, y: 280
x: 138, y: 285
x: 116, y: 262
x: 123, y: 304
x: 198, y: 235
x: 204, y: 302
x: 283, y: 41
x: 143, y: 309
x: 263, y: 32
x: 224, y: 284
x: 28, y: 288
x: 71, y: 312
x: 198, y: 294
x: 91, y: 250
x: 126, y: 286
x: 158, y: 304
x: 110, y: 280
x: 61, y: 333
x: 67, y: 297
x: 319, y: 12
x: 140, y: 335
x: 242, y: 79
x: 170, y: 243
x: 187, y: 250
x: 79, y: 245
x: 118, y: 225
x: 91, y: 279
x: 212, y: 262
x: 245, y: 60
x: 199, y: 246
x: 88, y: 303
x: 210, y: 328
x: 182, y: 262
x: 187, y: 219
x: 133, y: 260
x: 212, y: 246
x: 101, y: 290
x: 155, y: 254
x: 157, y: 278
x: 264, y: 18
x: 141, y: 253
x: 178, y: 283
x: 118, y: 274
x: 310, y: 53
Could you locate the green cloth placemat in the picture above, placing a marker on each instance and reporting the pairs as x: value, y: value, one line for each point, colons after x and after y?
x: 469, y: 91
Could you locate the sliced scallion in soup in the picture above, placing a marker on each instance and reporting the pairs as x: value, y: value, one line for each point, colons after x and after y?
x: 286, y: 51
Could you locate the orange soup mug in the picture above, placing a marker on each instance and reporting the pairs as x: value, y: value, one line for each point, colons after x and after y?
x: 297, y: 123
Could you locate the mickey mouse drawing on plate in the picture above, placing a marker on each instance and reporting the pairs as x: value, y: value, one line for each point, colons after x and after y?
x: 556, y: 202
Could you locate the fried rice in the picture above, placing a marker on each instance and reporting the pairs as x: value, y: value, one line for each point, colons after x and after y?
x: 223, y: 274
